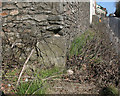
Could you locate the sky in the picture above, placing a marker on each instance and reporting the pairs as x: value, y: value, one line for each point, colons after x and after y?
x: 109, y: 5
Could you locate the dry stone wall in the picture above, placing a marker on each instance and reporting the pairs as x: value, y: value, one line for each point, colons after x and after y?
x: 53, y: 25
x: 114, y: 25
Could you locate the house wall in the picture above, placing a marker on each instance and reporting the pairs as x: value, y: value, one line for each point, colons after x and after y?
x: 100, y: 11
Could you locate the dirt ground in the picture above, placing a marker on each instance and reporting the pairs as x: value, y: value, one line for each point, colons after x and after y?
x: 69, y: 87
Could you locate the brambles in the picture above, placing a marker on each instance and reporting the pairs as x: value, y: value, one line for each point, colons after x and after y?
x: 97, y: 62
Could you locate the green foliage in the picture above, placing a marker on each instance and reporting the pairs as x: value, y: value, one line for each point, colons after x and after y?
x: 117, y: 12
x: 12, y: 72
x: 109, y: 91
x: 38, y: 86
x: 79, y: 42
x: 96, y: 60
x: 49, y: 72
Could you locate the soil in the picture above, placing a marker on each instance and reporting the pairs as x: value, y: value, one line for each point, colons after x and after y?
x: 70, y: 87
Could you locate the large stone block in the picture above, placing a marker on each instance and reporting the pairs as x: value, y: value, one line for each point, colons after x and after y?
x: 53, y: 50
x: 55, y: 18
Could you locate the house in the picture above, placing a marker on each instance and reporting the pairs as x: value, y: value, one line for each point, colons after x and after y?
x: 100, y: 10
x: 97, y: 9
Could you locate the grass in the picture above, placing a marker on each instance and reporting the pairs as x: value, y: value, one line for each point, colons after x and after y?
x: 12, y: 75
x: 38, y: 86
x: 79, y: 42
x: 12, y: 72
x: 49, y: 72
x: 96, y: 60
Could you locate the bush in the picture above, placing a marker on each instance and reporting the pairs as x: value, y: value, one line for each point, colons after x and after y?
x: 117, y: 12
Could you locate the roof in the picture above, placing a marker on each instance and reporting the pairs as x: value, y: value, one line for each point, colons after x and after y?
x: 104, y: 9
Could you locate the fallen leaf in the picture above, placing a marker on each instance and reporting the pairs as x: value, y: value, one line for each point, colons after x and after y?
x: 6, y: 86
x: 4, y: 14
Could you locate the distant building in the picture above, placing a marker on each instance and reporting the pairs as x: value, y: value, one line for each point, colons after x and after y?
x: 100, y: 10
x: 96, y: 9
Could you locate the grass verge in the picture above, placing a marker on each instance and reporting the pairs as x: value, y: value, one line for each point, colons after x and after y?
x: 39, y: 85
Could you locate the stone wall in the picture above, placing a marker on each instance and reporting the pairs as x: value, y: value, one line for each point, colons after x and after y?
x: 76, y: 19
x: 114, y: 25
x: 53, y: 25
